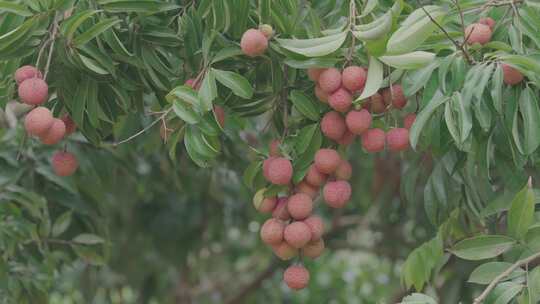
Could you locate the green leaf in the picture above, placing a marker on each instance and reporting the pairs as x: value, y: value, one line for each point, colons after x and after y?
x: 521, y: 213
x: 227, y: 53
x: 482, y: 247
x: 304, y: 105
x: 414, y: 80
x: 485, y: 273
x: 311, y: 63
x: 237, y: 83
x: 7, y: 6
x: 503, y: 293
x: 95, y: 31
x: 62, y: 223
x: 305, y: 137
x: 409, y: 61
x: 528, y: 106
x: 418, y: 298
x: 497, y: 89
x: 423, y: 117
x: 374, y: 78
x: 70, y: 26
x: 315, y: 47
x: 208, y: 91
x: 88, y: 239
x: 137, y: 6
x: 251, y: 173
x: 533, y: 285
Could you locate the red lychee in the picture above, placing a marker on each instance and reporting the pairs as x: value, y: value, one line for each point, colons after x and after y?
x: 296, y: 277
x: 191, y: 83
x: 55, y: 133
x: 220, y: 115
x: 340, y: 100
x: 64, y: 163
x: 358, y: 121
x: 397, y: 100
x: 266, y: 166
x: 26, y: 72
x: 297, y: 234
x: 373, y: 140
x: 487, y: 21
x: 272, y: 231
x: 280, y: 211
x: 33, y: 91
x: 398, y: 139
x: 284, y: 251
x: 38, y: 121
x: 280, y: 171
x: 316, y: 225
x: 327, y: 161
x: 264, y: 204
x: 354, y: 78
x: 314, y: 177
x: 315, y: 73
x: 333, y: 125
x: 308, y: 189
x: 409, y: 120
x: 511, y: 75
x: 337, y: 194
x: 330, y: 80
x: 253, y: 43
x: 347, y: 138
x: 313, y: 249
x: 300, y: 206
x: 69, y: 123
x: 477, y: 33
x: 321, y: 95
x: 344, y: 170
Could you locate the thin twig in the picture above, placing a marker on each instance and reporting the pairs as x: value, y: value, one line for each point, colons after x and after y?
x: 51, y: 48
x: 144, y: 129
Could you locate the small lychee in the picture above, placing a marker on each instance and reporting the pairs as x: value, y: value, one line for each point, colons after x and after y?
x: 354, y: 78
x: 347, y: 139
x: 330, y: 80
x: 409, y: 120
x: 191, y: 83
x: 358, y: 121
x: 315, y: 73
x: 280, y: 171
x: 373, y: 140
x: 333, y: 125
x: 398, y: 139
x: 55, y: 133
x: 26, y: 72
x: 477, y: 33
x: 69, y: 123
x: 344, y: 170
x: 315, y: 177
x: 316, y: 225
x: 64, y: 163
x: 300, y: 206
x: 394, y: 96
x: 264, y: 204
x: 272, y: 231
x: 511, y: 75
x: 297, y: 234
x: 253, y: 43
x: 38, y: 121
x: 280, y: 211
x: 313, y: 249
x: 33, y: 91
x: 340, y: 100
x: 327, y: 160
x: 296, y: 277
x: 337, y: 194
x: 284, y: 251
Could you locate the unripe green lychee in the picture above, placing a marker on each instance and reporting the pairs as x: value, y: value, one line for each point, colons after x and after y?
x: 55, y: 133
x: 64, y: 163
x: 33, y: 91
x: 487, y: 21
x: 253, y: 43
x: 330, y: 80
x: 344, y: 170
x: 314, y: 177
x: 337, y: 194
x: 280, y: 211
x: 297, y: 234
x: 300, y: 206
x: 315, y: 73
x: 316, y: 225
x: 347, y: 138
x: 69, y: 123
x: 394, y: 96
x: 373, y: 140
x: 327, y: 160
x: 26, y: 72
x: 354, y: 78
x: 321, y: 95
x: 409, y: 120
x: 358, y: 121
x: 333, y: 125
x: 308, y: 189
x: 284, y: 251
x: 340, y: 100
x: 398, y: 139
x: 477, y: 33
x: 313, y: 249
x: 296, y: 277
x: 511, y: 75
x: 280, y: 171
x: 266, y: 30
x: 272, y: 231
x: 38, y: 121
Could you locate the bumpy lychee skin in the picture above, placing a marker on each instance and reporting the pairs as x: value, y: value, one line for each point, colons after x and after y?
x: 511, y: 75
x: 38, y: 121
x: 280, y: 211
x: 376, y: 104
x: 64, y: 163
x: 373, y: 140
x: 69, y: 123
x: 313, y: 249
x: 347, y: 138
x: 330, y: 80
x: 307, y: 189
x: 280, y: 171
x: 354, y: 78
x: 398, y: 139
x: 253, y: 43
x: 220, y: 115
x: 55, y: 133
x: 266, y: 30
x: 296, y: 277
x: 487, y: 21
x: 409, y: 120
x: 344, y: 170
x: 397, y: 100
x: 333, y: 125
x: 33, y: 91
x: 315, y: 73
x: 358, y: 122
x: 264, y: 204
x: 266, y: 167
x: 284, y: 251
x: 272, y: 231
x: 297, y: 234
x: 300, y: 206
x: 315, y: 177
x: 316, y: 225
x: 273, y: 148
x: 477, y: 33
x: 26, y: 72
x: 337, y: 194
x: 321, y: 95
x: 340, y: 100
x: 327, y: 161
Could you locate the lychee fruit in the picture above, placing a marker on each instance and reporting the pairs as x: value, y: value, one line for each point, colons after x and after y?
x: 253, y: 43
x: 280, y: 171
x: 376, y: 104
x: 308, y: 189
x: 337, y: 194
x: 321, y: 95
x: 33, y: 91
x: 69, y: 123
x: 220, y: 115
x: 266, y: 167
x: 280, y: 211
x: 409, y: 120
x: 274, y: 148
x: 478, y: 33
x: 272, y: 231
x: 333, y: 125
x: 38, y: 121
x: 284, y: 251
x: 330, y: 80
x: 55, y: 133
x: 316, y: 225
x: 264, y: 204
x: 511, y: 75
x: 297, y: 234
x: 313, y: 249
x: 340, y: 100
x: 487, y: 21
x: 315, y: 177
x: 373, y: 140
x: 315, y: 73
x: 266, y: 30
x: 64, y: 163
x: 296, y: 277
x: 343, y: 171
x: 300, y: 206
x: 327, y: 161
x: 358, y: 121
x: 354, y: 78
x: 394, y: 96
x: 398, y: 139
x: 347, y: 138
x: 26, y: 72
x: 191, y: 83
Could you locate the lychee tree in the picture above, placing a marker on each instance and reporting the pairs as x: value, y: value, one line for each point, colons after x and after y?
x: 416, y: 121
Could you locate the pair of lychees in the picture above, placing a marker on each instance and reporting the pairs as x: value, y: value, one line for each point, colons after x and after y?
x: 254, y: 42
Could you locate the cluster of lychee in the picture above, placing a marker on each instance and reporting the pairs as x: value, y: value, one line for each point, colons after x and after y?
x: 254, y: 42
x: 39, y: 122
x: 344, y: 123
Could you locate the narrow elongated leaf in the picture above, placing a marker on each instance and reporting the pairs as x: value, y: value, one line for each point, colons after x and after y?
x: 304, y: 105
x: 504, y: 293
x: 409, y: 61
x: 88, y: 239
x: 237, y: 83
x: 61, y: 224
x: 8, y: 6
x: 314, y: 47
x: 528, y: 107
x: 485, y: 273
x: 483, y: 247
x: 137, y: 6
x: 374, y: 78
x: 95, y: 31
x: 521, y: 213
x: 208, y: 91
x: 423, y: 117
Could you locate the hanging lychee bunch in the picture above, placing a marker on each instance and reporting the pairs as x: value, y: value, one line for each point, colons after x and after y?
x: 39, y: 122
